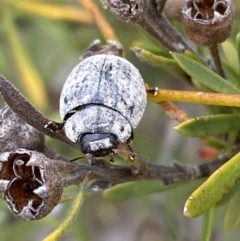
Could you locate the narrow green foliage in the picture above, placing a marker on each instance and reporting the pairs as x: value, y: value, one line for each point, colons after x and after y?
x: 74, y: 209
x: 29, y: 76
x: 169, y: 64
x: 238, y: 51
x: 232, y: 137
x: 232, y: 217
x: 211, y: 192
x: 136, y: 189
x: 207, y: 223
x: 210, y: 125
x: 215, y: 143
x: 204, y: 75
x: 227, y: 197
x: 231, y: 59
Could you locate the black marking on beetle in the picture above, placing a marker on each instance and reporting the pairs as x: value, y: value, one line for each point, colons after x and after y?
x: 101, y: 74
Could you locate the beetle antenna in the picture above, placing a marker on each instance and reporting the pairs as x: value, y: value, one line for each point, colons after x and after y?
x: 77, y: 158
x: 130, y: 154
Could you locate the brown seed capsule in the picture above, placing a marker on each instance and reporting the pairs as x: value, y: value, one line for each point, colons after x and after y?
x: 33, y: 187
x: 208, y: 22
x: 15, y: 133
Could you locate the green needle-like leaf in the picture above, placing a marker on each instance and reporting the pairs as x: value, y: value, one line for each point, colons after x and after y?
x: 238, y: 49
x: 211, y: 125
x: 231, y: 57
x: 232, y: 218
x: 133, y: 189
x: 136, y: 189
x: 204, y: 75
x: 170, y: 65
x: 211, y: 192
x: 28, y: 74
x: 76, y: 205
x: 207, y: 224
x: 50, y: 10
x: 228, y: 196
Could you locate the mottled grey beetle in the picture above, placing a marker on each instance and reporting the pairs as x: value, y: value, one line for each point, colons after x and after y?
x: 102, y: 100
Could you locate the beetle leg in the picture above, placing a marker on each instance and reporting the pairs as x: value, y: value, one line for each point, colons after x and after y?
x: 138, y: 162
x: 131, y: 154
x: 111, y: 157
x: 54, y: 126
x: 153, y: 91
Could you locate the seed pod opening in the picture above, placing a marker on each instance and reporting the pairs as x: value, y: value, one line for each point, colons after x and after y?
x: 34, y: 186
x: 208, y: 22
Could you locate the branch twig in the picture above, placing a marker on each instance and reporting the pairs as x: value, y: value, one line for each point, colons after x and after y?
x: 115, y: 174
x: 216, y: 59
x: 21, y: 106
x: 153, y: 21
x: 195, y: 97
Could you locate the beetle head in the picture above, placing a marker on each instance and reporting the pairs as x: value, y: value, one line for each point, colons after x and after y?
x: 98, y: 144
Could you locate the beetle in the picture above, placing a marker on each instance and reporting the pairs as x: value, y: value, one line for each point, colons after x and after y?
x: 102, y: 101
